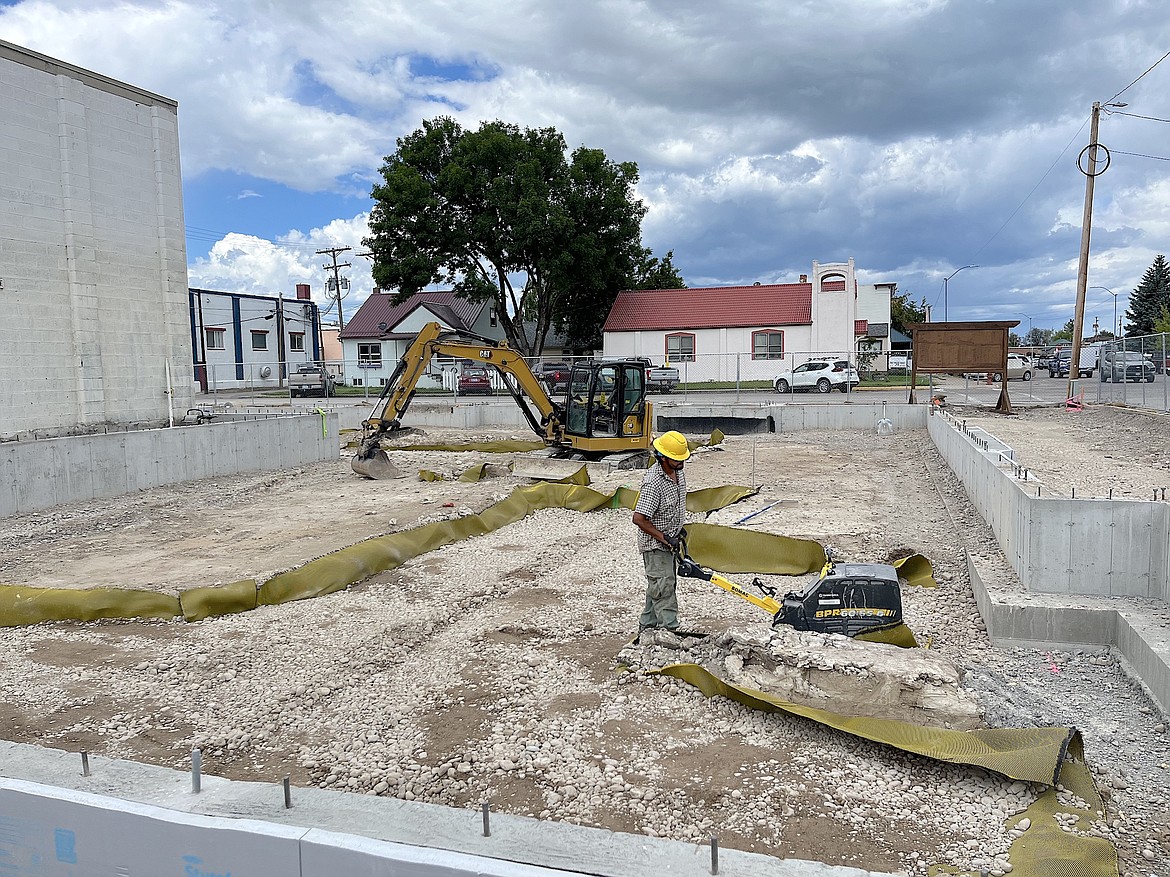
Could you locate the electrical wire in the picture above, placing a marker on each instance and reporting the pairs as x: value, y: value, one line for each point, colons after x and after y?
x: 1140, y: 155
x: 1032, y: 191
x: 1135, y: 82
x: 1136, y: 116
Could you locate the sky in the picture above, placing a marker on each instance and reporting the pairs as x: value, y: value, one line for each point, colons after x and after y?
x: 913, y: 136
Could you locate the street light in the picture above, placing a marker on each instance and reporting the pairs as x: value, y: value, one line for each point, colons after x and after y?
x: 1022, y: 314
x: 946, y: 281
x: 1116, y: 325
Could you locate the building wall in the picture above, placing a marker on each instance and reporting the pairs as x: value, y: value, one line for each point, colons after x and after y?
x: 92, y: 254
x: 233, y: 319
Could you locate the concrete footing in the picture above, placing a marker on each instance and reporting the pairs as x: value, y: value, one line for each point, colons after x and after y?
x: 72, y: 823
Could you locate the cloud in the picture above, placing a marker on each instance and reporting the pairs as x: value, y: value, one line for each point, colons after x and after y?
x: 913, y: 135
x: 248, y: 193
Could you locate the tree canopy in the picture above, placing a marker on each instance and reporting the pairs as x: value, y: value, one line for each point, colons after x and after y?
x: 505, y: 216
x: 1147, y: 301
x: 903, y: 312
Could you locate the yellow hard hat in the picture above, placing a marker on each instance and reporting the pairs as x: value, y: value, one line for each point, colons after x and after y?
x: 674, y: 445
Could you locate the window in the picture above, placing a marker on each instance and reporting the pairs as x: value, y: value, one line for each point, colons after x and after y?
x: 768, y: 344
x: 680, y: 347
x: 259, y: 340
x: 215, y: 338
x: 492, y: 316
x: 296, y: 342
x: 369, y: 355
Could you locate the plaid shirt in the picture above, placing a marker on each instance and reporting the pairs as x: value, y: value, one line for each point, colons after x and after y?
x: 662, y: 501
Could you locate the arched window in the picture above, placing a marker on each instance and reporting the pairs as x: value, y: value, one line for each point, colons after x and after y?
x: 768, y: 344
x: 680, y: 347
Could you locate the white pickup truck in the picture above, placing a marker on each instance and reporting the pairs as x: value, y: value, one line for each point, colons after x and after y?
x: 310, y: 379
x: 661, y: 378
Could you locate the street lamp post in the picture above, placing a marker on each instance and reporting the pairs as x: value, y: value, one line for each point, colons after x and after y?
x: 1022, y: 314
x: 946, y: 281
x: 1114, y: 294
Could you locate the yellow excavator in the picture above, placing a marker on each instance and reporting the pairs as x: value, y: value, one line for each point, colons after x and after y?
x: 604, y: 410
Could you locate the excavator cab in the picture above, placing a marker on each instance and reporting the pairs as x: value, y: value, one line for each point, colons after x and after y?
x: 606, y: 400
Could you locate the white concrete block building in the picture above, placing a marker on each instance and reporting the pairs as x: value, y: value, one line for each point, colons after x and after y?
x: 93, y: 262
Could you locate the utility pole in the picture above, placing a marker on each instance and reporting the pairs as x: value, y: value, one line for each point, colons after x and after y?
x: 337, y: 282
x: 1089, y: 153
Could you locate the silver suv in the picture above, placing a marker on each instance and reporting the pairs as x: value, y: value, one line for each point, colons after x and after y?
x: 822, y: 375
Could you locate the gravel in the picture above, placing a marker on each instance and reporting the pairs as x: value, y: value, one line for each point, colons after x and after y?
x: 489, y: 669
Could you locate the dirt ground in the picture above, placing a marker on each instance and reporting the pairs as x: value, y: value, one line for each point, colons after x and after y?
x: 487, y: 669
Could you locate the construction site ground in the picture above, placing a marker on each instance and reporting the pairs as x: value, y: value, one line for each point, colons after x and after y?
x: 488, y: 669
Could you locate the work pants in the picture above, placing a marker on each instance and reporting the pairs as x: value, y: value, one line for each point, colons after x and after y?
x: 661, y: 608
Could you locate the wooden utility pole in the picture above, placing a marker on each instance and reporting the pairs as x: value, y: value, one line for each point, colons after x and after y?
x: 337, y: 278
x: 1090, y: 154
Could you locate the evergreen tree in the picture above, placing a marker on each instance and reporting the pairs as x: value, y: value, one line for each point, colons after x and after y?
x: 1148, y: 300
x: 1064, y: 333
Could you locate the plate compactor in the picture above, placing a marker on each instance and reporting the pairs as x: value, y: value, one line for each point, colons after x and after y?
x: 851, y: 599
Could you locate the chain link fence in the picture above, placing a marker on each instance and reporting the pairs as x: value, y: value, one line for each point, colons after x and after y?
x: 1130, y: 371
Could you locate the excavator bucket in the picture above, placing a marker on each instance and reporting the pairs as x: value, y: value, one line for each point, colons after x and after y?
x: 551, y: 469
x: 377, y: 466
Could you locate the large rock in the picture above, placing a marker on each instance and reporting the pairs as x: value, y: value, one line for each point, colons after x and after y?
x: 844, y: 676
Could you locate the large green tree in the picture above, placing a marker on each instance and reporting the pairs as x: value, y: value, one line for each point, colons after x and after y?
x: 506, y: 216
x: 1147, y: 301
x: 903, y: 312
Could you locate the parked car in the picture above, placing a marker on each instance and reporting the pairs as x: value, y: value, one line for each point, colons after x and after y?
x: 1019, y: 367
x: 661, y: 379
x: 311, y: 379
x: 1058, y: 365
x: 474, y: 380
x: 822, y: 375
x: 1126, y: 365
x: 555, y: 375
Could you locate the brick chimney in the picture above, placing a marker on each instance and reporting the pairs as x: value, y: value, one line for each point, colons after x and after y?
x: 303, y: 291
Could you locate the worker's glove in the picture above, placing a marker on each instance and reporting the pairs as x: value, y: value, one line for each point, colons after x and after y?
x: 672, y: 541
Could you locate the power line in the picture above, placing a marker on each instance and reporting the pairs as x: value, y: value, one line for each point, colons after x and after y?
x: 1135, y: 82
x: 1140, y: 155
x: 1137, y: 116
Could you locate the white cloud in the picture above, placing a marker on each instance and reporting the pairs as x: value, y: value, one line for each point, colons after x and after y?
x: 909, y: 135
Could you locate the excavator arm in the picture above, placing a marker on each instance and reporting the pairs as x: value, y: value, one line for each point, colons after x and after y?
x: 605, y: 411
x: 546, y: 420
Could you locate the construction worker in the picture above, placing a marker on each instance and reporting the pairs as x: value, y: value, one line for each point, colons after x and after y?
x: 659, y: 515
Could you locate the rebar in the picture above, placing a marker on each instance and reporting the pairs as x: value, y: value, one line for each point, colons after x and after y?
x: 196, y: 767
x: 84, y: 763
x: 714, y: 855
x: 487, y: 831
x: 287, y: 793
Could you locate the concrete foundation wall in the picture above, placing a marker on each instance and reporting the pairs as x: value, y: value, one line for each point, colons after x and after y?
x: 69, y: 825
x: 692, y: 417
x: 39, y: 474
x: 1100, y: 547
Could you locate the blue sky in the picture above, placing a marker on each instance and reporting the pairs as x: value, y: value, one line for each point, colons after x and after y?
x: 915, y: 136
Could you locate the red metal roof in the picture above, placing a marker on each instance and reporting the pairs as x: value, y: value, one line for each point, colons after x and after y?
x: 712, y: 307
x: 456, y: 312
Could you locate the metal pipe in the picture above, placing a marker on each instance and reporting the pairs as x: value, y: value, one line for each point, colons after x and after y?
x: 487, y: 831
x: 84, y: 763
x: 287, y: 793
x: 714, y: 855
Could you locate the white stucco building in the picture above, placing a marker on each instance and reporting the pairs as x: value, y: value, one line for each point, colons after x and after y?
x: 93, y: 262
x: 749, y: 332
